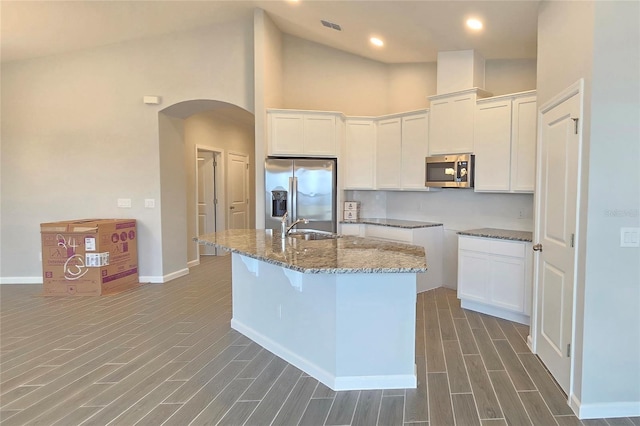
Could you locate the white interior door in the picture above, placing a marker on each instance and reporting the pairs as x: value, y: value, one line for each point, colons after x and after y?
x: 206, y: 198
x: 556, y: 206
x: 238, y: 184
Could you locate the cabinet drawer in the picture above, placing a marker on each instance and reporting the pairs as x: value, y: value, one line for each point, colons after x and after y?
x: 492, y: 246
x: 389, y: 233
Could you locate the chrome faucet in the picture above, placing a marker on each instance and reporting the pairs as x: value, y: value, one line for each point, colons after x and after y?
x: 283, y: 224
x: 294, y: 224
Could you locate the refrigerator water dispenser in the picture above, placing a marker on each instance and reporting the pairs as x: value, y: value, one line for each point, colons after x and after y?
x: 278, y: 203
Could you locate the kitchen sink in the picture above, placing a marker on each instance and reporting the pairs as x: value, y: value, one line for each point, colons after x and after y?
x: 312, y: 234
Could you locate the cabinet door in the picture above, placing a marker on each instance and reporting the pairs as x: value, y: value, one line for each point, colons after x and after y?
x: 415, y: 134
x: 461, y: 124
x: 523, y: 144
x: 320, y: 135
x: 473, y: 276
x: 507, y: 283
x: 360, y: 145
x: 388, y: 154
x: 451, y: 127
x: 287, y: 133
x: 441, y: 115
x: 493, y: 146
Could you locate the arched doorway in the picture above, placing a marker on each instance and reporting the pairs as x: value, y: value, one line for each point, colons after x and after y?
x: 185, y: 128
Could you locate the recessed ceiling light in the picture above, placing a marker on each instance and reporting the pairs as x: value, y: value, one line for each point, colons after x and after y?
x: 376, y: 41
x: 474, y: 24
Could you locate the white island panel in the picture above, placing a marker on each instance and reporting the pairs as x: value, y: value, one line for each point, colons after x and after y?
x: 349, y: 331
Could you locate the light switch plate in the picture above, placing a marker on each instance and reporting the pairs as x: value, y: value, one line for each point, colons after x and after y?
x: 124, y: 203
x: 629, y: 237
x: 150, y: 203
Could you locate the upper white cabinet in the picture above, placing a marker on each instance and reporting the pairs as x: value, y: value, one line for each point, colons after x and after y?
x: 505, y: 140
x: 308, y: 133
x: 402, y: 145
x: 359, y: 153
x: 389, y: 156
x: 452, y: 122
x: 415, y: 137
x: 523, y: 143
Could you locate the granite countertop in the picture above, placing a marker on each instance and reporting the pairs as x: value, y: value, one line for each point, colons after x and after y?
x: 344, y: 255
x: 395, y: 223
x: 501, y: 234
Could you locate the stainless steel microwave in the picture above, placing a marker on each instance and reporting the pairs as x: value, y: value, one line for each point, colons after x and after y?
x: 449, y: 171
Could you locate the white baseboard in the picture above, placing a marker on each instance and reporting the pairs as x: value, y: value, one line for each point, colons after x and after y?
x: 193, y: 263
x: 494, y: 311
x: 21, y: 280
x: 606, y: 410
x: 160, y: 279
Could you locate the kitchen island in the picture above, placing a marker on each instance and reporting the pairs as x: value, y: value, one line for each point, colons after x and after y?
x: 341, y: 309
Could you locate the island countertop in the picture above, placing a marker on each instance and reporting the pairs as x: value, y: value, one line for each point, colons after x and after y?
x: 344, y: 255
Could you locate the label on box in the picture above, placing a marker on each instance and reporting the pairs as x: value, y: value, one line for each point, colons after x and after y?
x: 351, y: 205
x: 350, y: 214
x: 96, y: 260
x: 89, y: 244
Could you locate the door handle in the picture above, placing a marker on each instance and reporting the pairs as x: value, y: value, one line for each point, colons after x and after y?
x: 231, y: 208
x: 537, y: 247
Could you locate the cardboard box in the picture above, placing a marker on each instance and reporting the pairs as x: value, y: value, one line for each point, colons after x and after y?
x: 352, y: 205
x: 351, y: 214
x: 89, y: 257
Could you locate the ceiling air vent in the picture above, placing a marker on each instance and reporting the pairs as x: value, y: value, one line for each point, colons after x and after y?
x: 331, y: 25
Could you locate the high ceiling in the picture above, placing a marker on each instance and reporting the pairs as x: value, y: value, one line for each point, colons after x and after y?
x: 413, y: 31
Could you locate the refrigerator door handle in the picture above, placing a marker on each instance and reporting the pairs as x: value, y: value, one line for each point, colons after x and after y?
x: 294, y: 199
x: 290, y: 200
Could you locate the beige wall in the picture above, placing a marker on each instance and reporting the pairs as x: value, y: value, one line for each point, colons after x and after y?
x: 76, y: 137
x: 318, y: 77
x: 410, y: 85
x: 217, y: 133
x: 504, y: 76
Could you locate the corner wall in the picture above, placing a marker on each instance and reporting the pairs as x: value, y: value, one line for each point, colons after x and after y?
x: 598, y: 41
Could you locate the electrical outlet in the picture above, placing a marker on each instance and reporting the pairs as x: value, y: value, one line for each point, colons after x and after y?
x: 124, y: 203
x: 149, y: 203
x: 520, y: 214
x: 629, y: 237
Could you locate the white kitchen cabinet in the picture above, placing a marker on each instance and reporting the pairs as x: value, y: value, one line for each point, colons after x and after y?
x: 415, y: 137
x: 431, y: 238
x: 452, y: 121
x: 389, y: 153
x: 505, y: 140
x: 494, y: 277
x: 308, y: 133
x: 523, y: 142
x: 402, y: 145
x: 359, y: 153
x: 354, y: 229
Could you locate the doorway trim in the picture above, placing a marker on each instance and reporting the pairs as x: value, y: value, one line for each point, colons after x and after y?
x: 220, y: 184
x: 576, y: 88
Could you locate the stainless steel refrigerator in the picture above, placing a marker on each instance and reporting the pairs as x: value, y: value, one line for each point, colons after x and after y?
x: 304, y: 187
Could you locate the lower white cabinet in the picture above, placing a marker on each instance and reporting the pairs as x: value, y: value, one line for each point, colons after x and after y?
x: 494, y: 277
x: 431, y: 238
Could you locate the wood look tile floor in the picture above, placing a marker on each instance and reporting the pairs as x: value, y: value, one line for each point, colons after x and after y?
x: 165, y: 354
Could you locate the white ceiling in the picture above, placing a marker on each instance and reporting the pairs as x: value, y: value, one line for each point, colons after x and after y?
x: 414, y: 31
